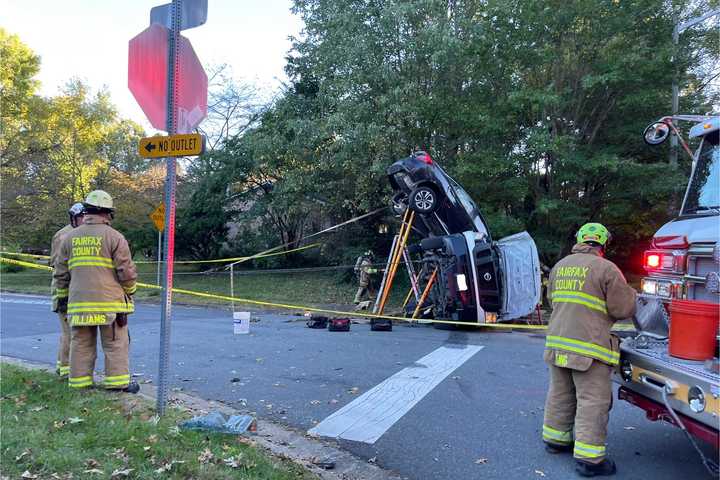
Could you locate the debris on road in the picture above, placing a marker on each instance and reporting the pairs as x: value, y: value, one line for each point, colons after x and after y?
x: 216, y: 422
x: 317, y: 321
x: 325, y: 463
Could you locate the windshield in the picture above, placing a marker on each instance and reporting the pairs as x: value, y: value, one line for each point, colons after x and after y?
x: 470, y: 208
x: 703, y: 195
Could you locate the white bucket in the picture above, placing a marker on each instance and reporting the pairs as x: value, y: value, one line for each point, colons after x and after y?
x: 241, y: 323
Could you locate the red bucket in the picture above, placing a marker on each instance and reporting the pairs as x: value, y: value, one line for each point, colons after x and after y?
x: 693, y: 329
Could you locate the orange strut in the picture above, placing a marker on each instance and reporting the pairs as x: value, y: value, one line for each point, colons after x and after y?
x: 404, y: 234
x: 425, y: 293
x: 393, y: 259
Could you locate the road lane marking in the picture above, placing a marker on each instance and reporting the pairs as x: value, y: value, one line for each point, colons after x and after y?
x: 368, y: 417
x: 25, y: 301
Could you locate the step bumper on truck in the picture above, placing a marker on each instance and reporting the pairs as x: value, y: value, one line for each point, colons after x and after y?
x: 655, y: 411
x: 693, y: 391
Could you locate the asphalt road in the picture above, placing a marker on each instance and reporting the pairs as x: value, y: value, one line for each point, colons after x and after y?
x: 490, y: 407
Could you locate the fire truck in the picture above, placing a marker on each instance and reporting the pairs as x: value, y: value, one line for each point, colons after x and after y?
x: 682, y: 264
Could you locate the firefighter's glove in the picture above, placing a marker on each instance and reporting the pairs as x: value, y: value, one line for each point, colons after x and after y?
x: 62, y: 305
x: 121, y: 319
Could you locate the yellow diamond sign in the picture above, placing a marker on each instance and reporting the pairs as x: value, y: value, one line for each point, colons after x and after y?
x: 158, y: 217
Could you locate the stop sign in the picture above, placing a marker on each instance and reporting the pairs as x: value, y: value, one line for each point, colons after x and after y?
x: 147, y: 79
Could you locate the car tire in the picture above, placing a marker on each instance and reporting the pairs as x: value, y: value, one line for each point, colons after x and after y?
x: 423, y: 200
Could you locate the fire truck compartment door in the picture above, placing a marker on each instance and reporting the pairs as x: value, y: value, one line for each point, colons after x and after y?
x: 520, y: 267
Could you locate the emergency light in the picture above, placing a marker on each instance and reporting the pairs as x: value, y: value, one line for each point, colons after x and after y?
x: 671, y: 261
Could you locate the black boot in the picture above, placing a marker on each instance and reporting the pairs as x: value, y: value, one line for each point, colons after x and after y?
x: 132, y: 387
x: 557, y: 448
x: 602, y: 469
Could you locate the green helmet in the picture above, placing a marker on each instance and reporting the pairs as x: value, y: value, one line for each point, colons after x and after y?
x: 593, y: 232
x: 99, y: 199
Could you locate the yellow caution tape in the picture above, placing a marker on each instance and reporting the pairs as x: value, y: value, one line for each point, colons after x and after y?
x: 247, y: 301
x: 25, y: 264
x: 217, y: 260
x: 28, y: 255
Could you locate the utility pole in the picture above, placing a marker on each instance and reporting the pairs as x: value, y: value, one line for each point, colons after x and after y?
x: 675, y: 92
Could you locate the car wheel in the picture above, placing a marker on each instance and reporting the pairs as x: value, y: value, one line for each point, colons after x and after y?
x: 423, y: 200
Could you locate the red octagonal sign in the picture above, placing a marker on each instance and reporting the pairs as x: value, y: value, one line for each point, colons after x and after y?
x: 147, y: 79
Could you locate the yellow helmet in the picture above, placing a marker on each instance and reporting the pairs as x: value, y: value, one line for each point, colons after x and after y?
x: 99, y: 199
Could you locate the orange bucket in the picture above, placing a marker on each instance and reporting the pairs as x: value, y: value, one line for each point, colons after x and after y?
x: 693, y: 329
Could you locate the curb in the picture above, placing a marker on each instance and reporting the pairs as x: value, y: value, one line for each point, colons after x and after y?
x: 278, y: 440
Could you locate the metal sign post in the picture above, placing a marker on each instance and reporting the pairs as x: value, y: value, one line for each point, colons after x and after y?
x: 158, y: 218
x: 159, y: 256
x: 170, y: 85
x: 170, y: 179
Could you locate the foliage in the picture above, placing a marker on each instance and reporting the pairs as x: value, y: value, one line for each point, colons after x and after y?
x: 50, y: 431
x: 535, y: 107
x: 56, y: 150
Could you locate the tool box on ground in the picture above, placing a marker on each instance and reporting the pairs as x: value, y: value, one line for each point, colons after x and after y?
x: 339, y: 325
x: 381, y: 325
x: 317, y: 321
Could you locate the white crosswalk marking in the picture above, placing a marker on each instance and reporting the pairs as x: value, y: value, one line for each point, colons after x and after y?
x: 368, y: 417
x: 28, y: 301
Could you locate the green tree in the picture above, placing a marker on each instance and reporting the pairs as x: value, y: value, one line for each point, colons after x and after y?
x: 536, y: 107
x: 18, y: 68
x: 55, y: 150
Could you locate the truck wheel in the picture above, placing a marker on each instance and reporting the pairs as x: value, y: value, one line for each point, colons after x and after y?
x: 424, y: 200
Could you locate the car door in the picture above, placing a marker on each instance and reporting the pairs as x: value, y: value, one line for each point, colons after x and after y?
x: 520, y: 272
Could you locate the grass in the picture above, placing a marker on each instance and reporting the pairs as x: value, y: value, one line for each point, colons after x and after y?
x: 317, y: 288
x: 52, y: 432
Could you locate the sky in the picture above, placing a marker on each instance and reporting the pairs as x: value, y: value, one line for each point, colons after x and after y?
x: 88, y: 39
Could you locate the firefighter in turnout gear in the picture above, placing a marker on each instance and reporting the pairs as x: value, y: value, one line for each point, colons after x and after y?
x: 59, y: 305
x: 96, y: 272
x: 588, y: 294
x: 364, y: 269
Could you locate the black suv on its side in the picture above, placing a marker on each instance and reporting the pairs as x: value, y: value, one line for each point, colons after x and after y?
x: 479, y: 279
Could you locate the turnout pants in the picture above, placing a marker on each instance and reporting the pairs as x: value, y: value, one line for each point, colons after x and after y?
x: 361, y: 291
x: 62, y: 366
x: 83, y: 352
x: 581, y: 400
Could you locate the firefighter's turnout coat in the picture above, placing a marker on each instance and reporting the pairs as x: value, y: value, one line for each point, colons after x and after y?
x: 365, y: 271
x: 588, y: 294
x: 54, y: 255
x: 62, y: 365
x: 108, y: 273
